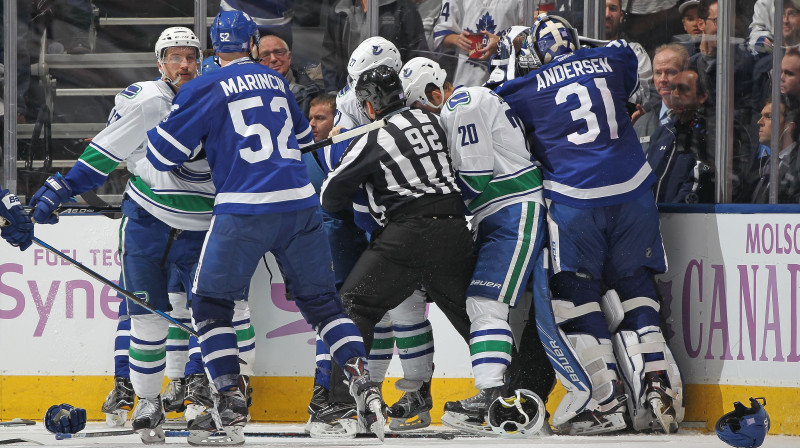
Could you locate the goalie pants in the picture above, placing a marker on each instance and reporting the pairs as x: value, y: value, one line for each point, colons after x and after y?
x: 425, y: 243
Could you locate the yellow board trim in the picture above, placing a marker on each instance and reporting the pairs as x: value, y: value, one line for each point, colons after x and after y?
x: 284, y: 399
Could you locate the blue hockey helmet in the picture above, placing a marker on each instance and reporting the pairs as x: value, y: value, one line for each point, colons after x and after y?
x: 552, y: 36
x: 744, y: 426
x: 210, y: 64
x: 232, y: 31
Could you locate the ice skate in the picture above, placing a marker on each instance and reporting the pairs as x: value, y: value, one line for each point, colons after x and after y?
x: 369, y: 402
x: 223, y: 424
x: 659, y: 399
x: 609, y: 417
x: 173, y: 395
x: 118, y: 402
x: 334, y: 421
x: 412, y: 410
x: 198, y: 397
x: 319, y: 399
x: 148, y: 419
x: 469, y: 414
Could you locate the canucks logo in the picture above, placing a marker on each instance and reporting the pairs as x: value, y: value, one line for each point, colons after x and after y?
x: 352, y: 61
x: 376, y: 50
x: 485, y: 23
x: 407, y: 72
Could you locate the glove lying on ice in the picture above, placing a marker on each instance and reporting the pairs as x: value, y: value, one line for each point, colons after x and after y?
x: 65, y: 418
x: 48, y: 198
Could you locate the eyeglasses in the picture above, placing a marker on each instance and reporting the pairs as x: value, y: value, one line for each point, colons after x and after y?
x: 279, y: 53
x: 177, y: 59
x: 712, y: 20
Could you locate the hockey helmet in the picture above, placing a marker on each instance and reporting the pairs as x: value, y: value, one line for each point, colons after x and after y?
x: 369, y: 54
x: 552, y: 36
x: 210, y: 64
x: 744, y: 426
x: 416, y: 75
x: 232, y: 32
x: 513, y: 57
x: 518, y: 416
x: 380, y: 86
x: 177, y: 36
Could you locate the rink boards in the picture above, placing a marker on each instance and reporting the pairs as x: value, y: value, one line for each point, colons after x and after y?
x: 730, y: 303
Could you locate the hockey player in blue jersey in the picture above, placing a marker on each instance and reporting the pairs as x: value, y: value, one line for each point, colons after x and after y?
x: 246, y: 121
x: 16, y: 226
x: 604, y: 228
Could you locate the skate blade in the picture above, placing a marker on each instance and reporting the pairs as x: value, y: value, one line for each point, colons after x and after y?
x: 611, y: 423
x: 193, y: 411
x: 229, y: 436
x: 465, y: 424
x: 660, y: 411
x: 422, y: 420
x: 378, y: 427
x: 117, y: 419
x: 342, y: 429
x: 152, y: 436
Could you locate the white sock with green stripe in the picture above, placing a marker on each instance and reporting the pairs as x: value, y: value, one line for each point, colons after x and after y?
x: 414, y: 337
x: 380, y: 355
x: 490, y: 341
x: 148, y: 354
x: 245, y: 336
x: 177, y: 338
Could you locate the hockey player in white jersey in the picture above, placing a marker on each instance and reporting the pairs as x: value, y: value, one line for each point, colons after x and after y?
x: 502, y: 189
x: 459, y: 19
x: 604, y: 229
x: 166, y: 218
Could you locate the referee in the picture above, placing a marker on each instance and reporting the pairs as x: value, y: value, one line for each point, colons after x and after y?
x: 411, y: 186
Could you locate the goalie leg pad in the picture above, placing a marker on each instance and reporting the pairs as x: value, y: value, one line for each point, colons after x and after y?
x: 649, y: 380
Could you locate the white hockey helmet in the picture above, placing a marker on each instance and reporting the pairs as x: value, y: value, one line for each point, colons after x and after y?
x: 416, y: 74
x: 521, y: 415
x: 369, y: 54
x: 177, y: 36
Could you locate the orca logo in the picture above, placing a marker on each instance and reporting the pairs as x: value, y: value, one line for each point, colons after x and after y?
x: 376, y: 50
x: 225, y: 37
x: 407, y: 72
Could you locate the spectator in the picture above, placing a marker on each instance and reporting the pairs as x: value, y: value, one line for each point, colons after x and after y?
x: 640, y: 15
x: 460, y: 19
x: 615, y: 18
x: 694, y: 25
x: 705, y: 61
x: 669, y: 61
x: 347, y: 27
x: 761, y: 41
x: 790, y: 74
x: 788, y: 162
x: 678, y: 153
x: 320, y: 116
x: 274, y: 52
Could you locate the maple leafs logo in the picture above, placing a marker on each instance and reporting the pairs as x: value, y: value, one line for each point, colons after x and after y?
x: 486, y: 22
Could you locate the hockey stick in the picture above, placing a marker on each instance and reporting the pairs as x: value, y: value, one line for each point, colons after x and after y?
x: 107, y: 210
x: 345, y: 135
x: 445, y: 435
x: 18, y: 422
x: 588, y: 41
x: 85, y: 435
x: 18, y: 440
x: 115, y: 287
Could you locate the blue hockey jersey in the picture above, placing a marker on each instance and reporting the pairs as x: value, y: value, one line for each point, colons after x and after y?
x: 246, y: 119
x: 579, y: 129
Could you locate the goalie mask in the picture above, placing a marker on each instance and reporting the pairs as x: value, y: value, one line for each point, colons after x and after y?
x: 416, y: 75
x: 519, y: 416
x: 552, y: 36
x: 369, y: 54
x: 744, y: 427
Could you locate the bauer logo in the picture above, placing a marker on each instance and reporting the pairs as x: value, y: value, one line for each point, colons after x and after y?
x: 488, y: 284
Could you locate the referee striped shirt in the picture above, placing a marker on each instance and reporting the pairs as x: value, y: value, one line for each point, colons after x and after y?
x: 404, y: 160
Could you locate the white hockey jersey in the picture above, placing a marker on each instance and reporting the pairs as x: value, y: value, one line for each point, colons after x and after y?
x: 182, y: 198
x: 348, y: 114
x: 489, y: 152
x: 494, y: 16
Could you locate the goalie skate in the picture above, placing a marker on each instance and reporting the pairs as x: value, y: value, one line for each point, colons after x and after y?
x: 607, y: 418
x: 334, y: 421
x: 660, y: 402
x: 369, y: 402
x: 147, y: 420
x: 229, y: 414
x: 470, y: 413
x: 412, y: 410
x: 119, y: 402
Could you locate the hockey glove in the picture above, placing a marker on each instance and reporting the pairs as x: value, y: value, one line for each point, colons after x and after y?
x: 64, y: 418
x: 18, y: 230
x: 50, y: 196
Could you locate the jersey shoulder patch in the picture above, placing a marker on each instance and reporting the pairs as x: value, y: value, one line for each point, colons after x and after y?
x: 458, y: 98
x: 132, y: 91
x: 344, y: 91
